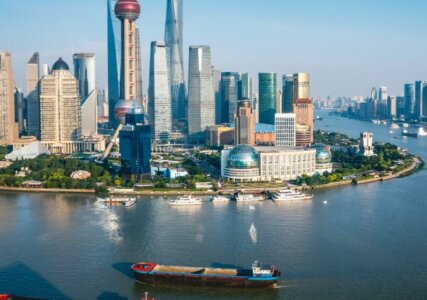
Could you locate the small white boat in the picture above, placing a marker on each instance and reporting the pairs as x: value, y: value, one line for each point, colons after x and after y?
x: 394, y: 126
x: 185, y: 201
x: 248, y: 198
x: 422, y: 132
x: 126, y: 202
x: 220, y: 199
x: 289, y: 195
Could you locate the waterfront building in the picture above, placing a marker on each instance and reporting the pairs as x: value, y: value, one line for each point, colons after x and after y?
x: 304, y: 112
x: 216, y: 78
x: 19, y: 110
x: 383, y: 94
x: 374, y: 94
x: 409, y: 101
x: 33, y: 97
x: 244, y: 124
x: 174, y: 44
x: 114, y: 60
x: 287, y: 93
x: 391, y: 107
x: 159, y: 97
x: 229, y: 94
x: 201, y: 99
x: 424, y: 101
x: 135, y: 142
x: 418, y: 94
x: 366, y: 147
x: 400, y: 107
x: 8, y: 126
x: 267, y: 97
x: 285, y: 134
x: 323, y: 158
x: 301, y: 86
x: 250, y: 164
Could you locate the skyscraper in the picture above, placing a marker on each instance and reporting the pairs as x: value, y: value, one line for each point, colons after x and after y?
x: 216, y: 77
x: 244, y: 123
x: 285, y: 135
x: 287, y: 93
x: 139, y: 93
x: 8, y: 126
x: 374, y: 94
x: 159, y: 98
x: 418, y: 99
x: 229, y: 93
x: 382, y: 93
x: 304, y: 113
x: 173, y: 39
x: 409, y: 101
x: 114, y: 60
x: 19, y: 110
x: 424, y: 108
x: 201, y: 98
x: 301, y: 86
x: 391, y: 107
x: 246, y: 87
x: 267, y: 97
x: 60, y: 118
x: 33, y: 100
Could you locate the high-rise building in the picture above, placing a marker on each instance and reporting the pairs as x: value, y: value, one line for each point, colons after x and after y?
x: 33, y: 100
x: 285, y: 134
x: 216, y: 77
x: 301, y: 86
x: 244, y: 124
x: 409, y: 101
x: 114, y: 60
x: 383, y: 93
x: 19, y: 110
x: 267, y: 97
x: 139, y: 93
x: 246, y: 87
x: 8, y: 126
x: 102, y: 102
x: 418, y: 99
x: 374, y: 94
x: 424, y: 108
x: 201, y: 98
x: 304, y: 113
x: 230, y: 94
x: 287, y: 93
x: 84, y: 72
x: 173, y: 39
x: 159, y: 97
x: 400, y: 107
x: 60, y: 118
x: 391, y: 107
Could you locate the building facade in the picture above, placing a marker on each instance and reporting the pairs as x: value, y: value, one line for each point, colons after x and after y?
x: 267, y: 97
x: 8, y: 126
x: 201, y: 99
x: 418, y: 94
x: 285, y: 134
x: 366, y: 146
x: 301, y: 86
x: 409, y: 101
x: 304, y: 112
x: 244, y: 124
x: 159, y: 94
x: 287, y: 93
x: 229, y: 94
x: 33, y: 97
x: 19, y: 110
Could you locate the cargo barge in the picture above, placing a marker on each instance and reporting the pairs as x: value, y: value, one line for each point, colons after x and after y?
x: 260, y: 276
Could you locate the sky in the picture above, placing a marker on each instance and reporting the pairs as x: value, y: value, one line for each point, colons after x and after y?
x: 347, y: 46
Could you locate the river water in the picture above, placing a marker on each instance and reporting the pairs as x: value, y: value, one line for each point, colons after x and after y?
x: 367, y: 242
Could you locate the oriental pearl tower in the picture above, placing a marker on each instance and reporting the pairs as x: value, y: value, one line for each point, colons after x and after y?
x: 127, y: 11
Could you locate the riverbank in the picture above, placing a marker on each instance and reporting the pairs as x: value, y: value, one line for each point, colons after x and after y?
x: 44, y: 190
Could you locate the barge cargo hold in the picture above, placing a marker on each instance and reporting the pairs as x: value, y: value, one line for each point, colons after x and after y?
x: 260, y: 276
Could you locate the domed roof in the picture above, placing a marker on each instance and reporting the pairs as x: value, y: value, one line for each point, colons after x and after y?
x: 127, y: 9
x: 243, y: 157
x: 60, y: 65
x: 323, y: 153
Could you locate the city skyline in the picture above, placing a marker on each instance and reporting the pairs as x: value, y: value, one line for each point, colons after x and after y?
x: 326, y: 51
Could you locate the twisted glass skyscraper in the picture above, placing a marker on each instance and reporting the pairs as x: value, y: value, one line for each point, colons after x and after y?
x: 173, y: 39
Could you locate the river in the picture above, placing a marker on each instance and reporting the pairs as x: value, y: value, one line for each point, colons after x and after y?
x: 366, y: 242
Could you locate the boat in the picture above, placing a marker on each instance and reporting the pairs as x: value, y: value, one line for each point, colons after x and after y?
x: 185, y: 200
x: 394, y: 126
x: 260, y: 276
x: 422, y: 132
x: 126, y: 202
x: 289, y: 195
x: 220, y: 199
x: 409, y: 133
x: 248, y: 197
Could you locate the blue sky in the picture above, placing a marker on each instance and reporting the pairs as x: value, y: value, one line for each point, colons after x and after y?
x: 347, y: 46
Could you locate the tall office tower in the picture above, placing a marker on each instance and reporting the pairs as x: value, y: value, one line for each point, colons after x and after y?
x: 216, y: 77
x: 400, y: 107
x: 285, y: 134
x: 229, y: 93
x: 159, y: 97
x: 201, y: 98
x: 383, y: 93
x: 114, y: 60
x: 279, y: 101
x: 304, y: 112
x: 8, y: 126
x: 101, y: 101
x: 418, y: 99
x: 84, y: 72
x: 301, y: 86
x: 135, y: 142
x: 244, y: 124
x: 409, y: 101
x: 173, y: 39
x: 33, y: 100
x: 246, y: 87
x: 287, y: 93
x: 424, y: 108
x: 60, y: 118
x: 391, y: 107
x: 45, y: 70
x: 19, y: 110
x: 139, y: 93
x: 374, y: 94
x: 267, y: 97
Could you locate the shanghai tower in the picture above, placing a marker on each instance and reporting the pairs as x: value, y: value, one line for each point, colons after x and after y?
x: 173, y: 40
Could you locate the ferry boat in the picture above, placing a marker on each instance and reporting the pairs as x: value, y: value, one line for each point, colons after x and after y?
x: 126, y: 202
x: 220, y: 199
x: 260, y: 276
x: 249, y: 198
x: 409, y: 133
x: 289, y: 195
x: 185, y: 200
